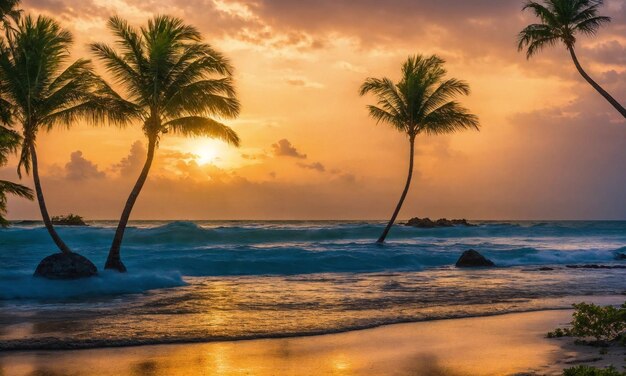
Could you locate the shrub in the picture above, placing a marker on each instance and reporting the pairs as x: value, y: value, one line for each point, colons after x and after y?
x: 604, y: 324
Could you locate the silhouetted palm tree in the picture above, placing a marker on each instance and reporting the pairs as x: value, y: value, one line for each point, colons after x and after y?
x: 174, y: 83
x: 9, y: 139
x: 9, y: 12
x: 9, y: 143
x: 561, y: 21
x: 421, y: 102
x: 41, y: 94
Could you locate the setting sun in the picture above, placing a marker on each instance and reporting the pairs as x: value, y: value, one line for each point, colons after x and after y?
x: 205, y: 150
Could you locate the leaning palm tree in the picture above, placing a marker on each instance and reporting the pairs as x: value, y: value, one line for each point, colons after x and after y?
x: 173, y: 83
x: 561, y: 21
x: 42, y: 92
x: 9, y: 143
x: 9, y: 12
x: 421, y: 102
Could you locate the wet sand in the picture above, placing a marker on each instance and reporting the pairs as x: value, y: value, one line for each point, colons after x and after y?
x: 496, y: 345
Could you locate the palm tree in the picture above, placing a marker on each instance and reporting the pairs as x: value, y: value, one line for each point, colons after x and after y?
x: 9, y: 11
x: 40, y: 93
x: 561, y: 21
x: 421, y: 102
x: 9, y: 139
x: 173, y: 82
x: 9, y: 143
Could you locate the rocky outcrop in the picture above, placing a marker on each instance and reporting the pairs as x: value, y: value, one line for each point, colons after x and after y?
x: 65, y: 266
x: 68, y: 220
x: 595, y: 266
x: 473, y: 259
x: 442, y: 222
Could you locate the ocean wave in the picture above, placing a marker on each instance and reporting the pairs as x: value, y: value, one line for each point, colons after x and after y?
x: 14, y: 285
x: 205, y: 248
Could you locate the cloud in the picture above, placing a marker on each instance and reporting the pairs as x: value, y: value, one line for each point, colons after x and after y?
x: 611, y: 52
x: 304, y: 82
x: 284, y: 148
x: 79, y: 168
x: 313, y: 166
x: 253, y: 157
x: 133, y: 162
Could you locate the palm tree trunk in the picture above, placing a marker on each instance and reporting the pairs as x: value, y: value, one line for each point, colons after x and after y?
x: 42, y: 204
x: 113, y: 260
x: 404, y: 193
x: 598, y: 88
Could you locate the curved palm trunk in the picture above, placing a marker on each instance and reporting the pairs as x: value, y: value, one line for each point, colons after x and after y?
x: 42, y: 204
x: 113, y: 260
x: 598, y: 88
x: 404, y: 193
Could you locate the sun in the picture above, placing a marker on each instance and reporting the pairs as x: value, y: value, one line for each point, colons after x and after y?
x: 206, y: 151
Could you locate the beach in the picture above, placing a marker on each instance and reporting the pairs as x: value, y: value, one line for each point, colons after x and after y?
x: 307, y: 297
x: 497, y: 345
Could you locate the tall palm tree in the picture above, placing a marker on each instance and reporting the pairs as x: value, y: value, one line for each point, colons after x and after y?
x: 561, y: 21
x: 9, y: 12
x: 173, y: 83
x: 9, y: 143
x: 9, y: 139
x: 41, y: 91
x: 421, y: 102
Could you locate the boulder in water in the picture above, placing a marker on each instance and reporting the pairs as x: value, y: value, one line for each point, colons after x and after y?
x: 473, y: 259
x: 65, y: 266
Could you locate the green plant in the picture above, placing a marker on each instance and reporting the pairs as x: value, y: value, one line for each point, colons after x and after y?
x: 561, y: 21
x: 41, y: 88
x: 592, y: 371
x: 172, y: 83
x: 605, y: 324
x: 422, y: 102
x: 559, y: 332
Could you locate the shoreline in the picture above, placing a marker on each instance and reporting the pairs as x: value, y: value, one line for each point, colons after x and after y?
x: 277, y: 336
x: 498, y: 344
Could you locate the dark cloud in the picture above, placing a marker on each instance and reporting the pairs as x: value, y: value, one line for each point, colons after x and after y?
x: 133, y: 163
x: 284, y: 148
x: 313, y: 166
x: 79, y: 168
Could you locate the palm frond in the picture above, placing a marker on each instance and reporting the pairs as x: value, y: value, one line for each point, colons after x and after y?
x: 422, y: 100
x: 448, y: 118
x: 203, y: 127
x: 560, y: 20
x: 7, y: 187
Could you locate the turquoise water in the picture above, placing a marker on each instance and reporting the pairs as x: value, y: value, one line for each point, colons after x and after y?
x: 208, y: 280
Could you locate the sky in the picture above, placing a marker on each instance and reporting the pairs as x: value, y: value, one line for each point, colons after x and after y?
x: 549, y: 146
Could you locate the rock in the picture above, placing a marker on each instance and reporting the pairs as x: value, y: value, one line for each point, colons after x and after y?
x: 68, y: 220
x: 420, y: 222
x: 442, y: 222
x: 620, y: 256
x: 596, y: 266
x: 545, y: 269
x: 472, y: 259
x: 65, y: 266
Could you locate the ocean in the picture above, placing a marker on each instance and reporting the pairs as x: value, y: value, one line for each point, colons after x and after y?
x: 192, y: 281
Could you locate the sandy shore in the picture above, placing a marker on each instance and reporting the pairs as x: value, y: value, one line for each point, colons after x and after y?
x: 497, y: 345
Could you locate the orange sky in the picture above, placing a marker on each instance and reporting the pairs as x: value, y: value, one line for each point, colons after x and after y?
x: 549, y: 148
